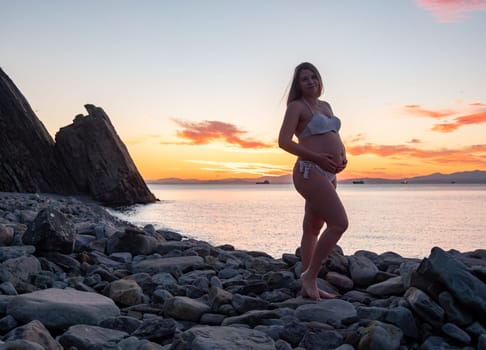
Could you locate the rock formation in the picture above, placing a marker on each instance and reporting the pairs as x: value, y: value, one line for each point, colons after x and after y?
x: 27, y: 160
x: 99, y: 162
x: 89, y: 157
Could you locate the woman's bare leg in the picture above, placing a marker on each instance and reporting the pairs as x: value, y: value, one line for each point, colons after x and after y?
x: 311, y: 227
x: 323, y: 201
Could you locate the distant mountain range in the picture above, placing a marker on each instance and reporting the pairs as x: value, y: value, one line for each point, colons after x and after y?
x: 465, y: 177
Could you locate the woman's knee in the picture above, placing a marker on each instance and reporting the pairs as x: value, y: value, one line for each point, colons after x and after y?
x: 340, y: 225
x: 313, y: 226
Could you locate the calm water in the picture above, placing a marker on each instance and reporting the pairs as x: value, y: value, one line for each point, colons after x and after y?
x: 407, y: 219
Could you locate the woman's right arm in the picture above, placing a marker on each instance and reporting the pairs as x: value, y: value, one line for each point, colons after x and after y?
x: 287, y: 131
x: 286, y: 142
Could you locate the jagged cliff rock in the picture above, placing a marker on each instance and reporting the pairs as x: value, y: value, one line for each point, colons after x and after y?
x: 27, y: 159
x: 89, y: 158
x: 98, y: 160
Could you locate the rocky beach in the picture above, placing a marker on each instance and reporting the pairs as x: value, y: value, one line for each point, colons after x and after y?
x: 74, y: 277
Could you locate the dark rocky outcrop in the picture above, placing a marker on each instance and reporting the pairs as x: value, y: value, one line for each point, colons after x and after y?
x: 99, y: 162
x: 27, y: 159
x: 88, y: 158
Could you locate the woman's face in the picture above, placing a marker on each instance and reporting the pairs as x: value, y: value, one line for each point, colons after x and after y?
x: 309, y: 83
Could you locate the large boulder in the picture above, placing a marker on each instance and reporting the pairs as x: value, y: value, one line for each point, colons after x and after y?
x: 99, y: 161
x: 62, y: 308
x: 51, y: 231
x: 456, y: 277
x: 27, y: 159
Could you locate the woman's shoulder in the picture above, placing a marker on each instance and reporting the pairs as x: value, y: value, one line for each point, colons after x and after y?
x: 326, y: 105
x: 296, y: 105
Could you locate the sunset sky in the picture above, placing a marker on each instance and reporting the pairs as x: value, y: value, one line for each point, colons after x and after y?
x: 197, y: 89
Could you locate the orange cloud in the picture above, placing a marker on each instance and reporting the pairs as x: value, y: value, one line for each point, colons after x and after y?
x: 415, y: 141
x: 248, y: 168
x: 445, y: 127
x: 475, y: 154
x: 447, y: 11
x: 205, y: 132
x: 475, y: 118
x: 418, y: 110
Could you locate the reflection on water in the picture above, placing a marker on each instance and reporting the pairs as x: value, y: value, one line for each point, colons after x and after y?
x: 407, y: 219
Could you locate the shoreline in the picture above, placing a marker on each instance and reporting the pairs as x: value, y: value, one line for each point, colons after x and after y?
x: 155, y: 289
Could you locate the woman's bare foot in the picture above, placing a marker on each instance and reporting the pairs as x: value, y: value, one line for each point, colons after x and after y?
x: 325, y: 295
x: 309, y: 287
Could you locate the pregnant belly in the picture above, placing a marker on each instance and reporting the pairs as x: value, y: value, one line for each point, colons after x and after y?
x: 326, y: 143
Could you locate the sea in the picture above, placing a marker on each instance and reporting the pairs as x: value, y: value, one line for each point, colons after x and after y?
x: 408, y: 219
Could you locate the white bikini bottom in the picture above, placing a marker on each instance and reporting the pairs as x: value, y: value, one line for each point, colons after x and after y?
x: 306, y: 165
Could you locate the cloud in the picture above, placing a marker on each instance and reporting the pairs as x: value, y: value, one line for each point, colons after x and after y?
x: 445, y: 127
x: 260, y: 169
x: 448, y: 11
x: 474, y: 155
x: 478, y: 104
x: 208, y: 131
x: 418, y: 110
x: 476, y: 115
x: 474, y: 118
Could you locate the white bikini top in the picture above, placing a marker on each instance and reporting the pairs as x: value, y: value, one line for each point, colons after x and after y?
x: 320, y: 124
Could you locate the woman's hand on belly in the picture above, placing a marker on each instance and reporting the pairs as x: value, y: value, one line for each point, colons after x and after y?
x: 343, y: 162
x: 327, y: 162
x: 334, y: 163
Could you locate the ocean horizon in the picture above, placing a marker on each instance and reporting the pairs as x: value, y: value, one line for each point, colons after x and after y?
x: 406, y: 219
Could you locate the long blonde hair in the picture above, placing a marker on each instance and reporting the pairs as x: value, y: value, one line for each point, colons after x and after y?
x: 295, y: 92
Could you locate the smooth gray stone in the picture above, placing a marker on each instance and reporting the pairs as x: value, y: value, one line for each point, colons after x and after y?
x: 457, y: 334
x: 61, y: 308
x: 363, y: 271
x: 372, y: 312
x: 332, y: 311
x: 155, y: 328
x: 379, y: 335
x: 391, y: 286
x: 244, y: 303
x: 184, y: 308
x: 172, y: 265
x: 482, y: 342
x: 86, y: 337
x: 7, y: 323
x: 11, y: 252
x: 454, y: 312
x: 321, y: 339
x: 18, y: 270
x: 122, y: 323
x: 36, y: 332
x: 227, y: 338
x: 403, y: 318
x: 436, y: 343
x: 425, y: 307
x: 21, y: 345
x: 251, y: 318
x: 135, y: 241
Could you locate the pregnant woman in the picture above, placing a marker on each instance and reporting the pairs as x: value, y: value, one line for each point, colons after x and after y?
x: 321, y: 155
